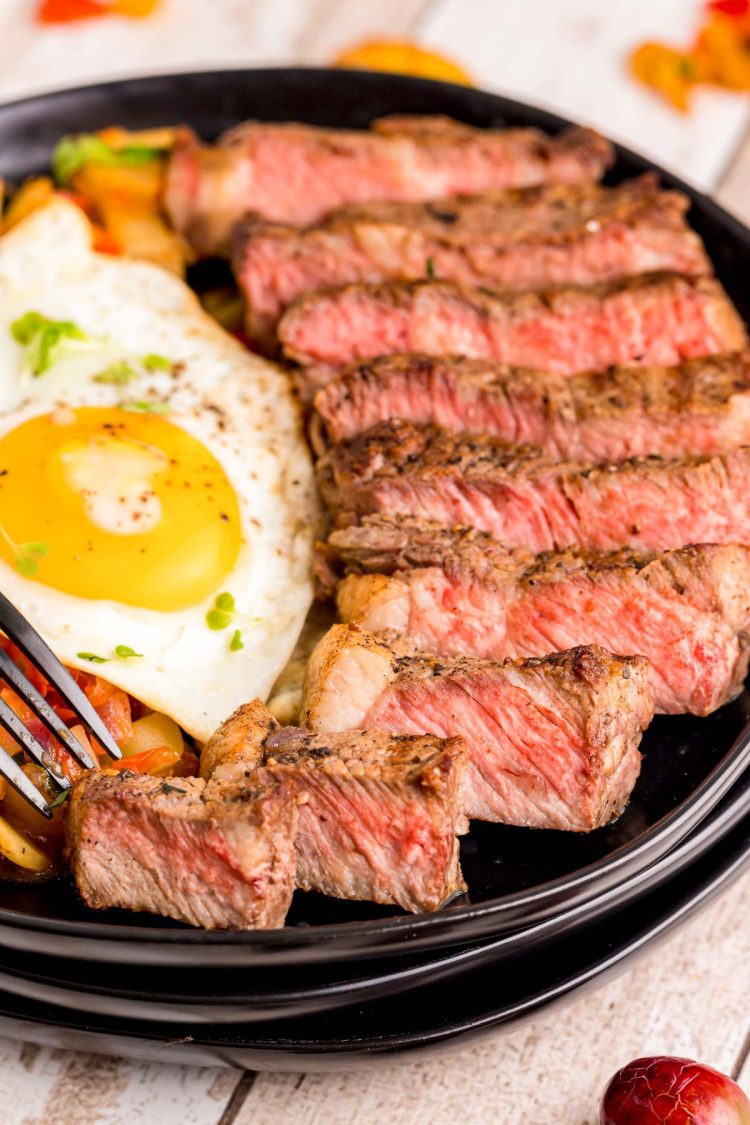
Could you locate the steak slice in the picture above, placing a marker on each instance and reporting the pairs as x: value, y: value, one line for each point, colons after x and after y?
x: 654, y: 319
x: 294, y: 173
x: 528, y: 500
x: 697, y: 407
x: 552, y: 742
x: 520, y: 238
x: 460, y: 591
x: 209, y: 854
x: 378, y: 813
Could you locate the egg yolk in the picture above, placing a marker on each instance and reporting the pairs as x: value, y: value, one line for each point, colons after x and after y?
x: 102, y: 503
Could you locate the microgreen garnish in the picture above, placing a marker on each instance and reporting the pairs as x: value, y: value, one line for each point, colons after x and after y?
x: 91, y: 657
x: 154, y: 362
x: 44, y: 339
x: 25, y: 328
x: 144, y: 407
x: 429, y: 268
x: 75, y: 152
x: 236, y: 642
x: 125, y: 652
x: 28, y: 556
x: 60, y: 799
x: 121, y: 373
x: 221, y: 615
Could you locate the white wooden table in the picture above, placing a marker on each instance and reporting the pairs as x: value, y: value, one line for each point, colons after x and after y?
x: 690, y: 996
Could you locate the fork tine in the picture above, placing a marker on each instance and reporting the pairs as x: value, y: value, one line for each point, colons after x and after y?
x: 10, y: 722
x: 13, y: 675
x: 15, y: 626
x: 13, y: 773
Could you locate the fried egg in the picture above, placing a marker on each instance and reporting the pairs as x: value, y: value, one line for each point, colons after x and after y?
x: 157, y: 503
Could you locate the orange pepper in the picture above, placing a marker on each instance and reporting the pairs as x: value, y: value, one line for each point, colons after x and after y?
x: 136, y: 9
x: 159, y: 761
x: 667, y: 71
x: 720, y: 55
x: 722, y: 49
x: 402, y: 58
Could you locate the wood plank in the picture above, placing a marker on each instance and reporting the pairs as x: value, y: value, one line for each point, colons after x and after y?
x: 734, y: 190
x: 741, y: 1072
x: 689, y: 997
x: 188, y: 35
x: 53, y: 1087
x: 577, y: 67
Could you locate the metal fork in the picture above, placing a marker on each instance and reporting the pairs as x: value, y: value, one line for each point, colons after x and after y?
x: 16, y: 627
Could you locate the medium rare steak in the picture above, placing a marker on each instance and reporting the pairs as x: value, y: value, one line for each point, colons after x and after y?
x: 513, y: 239
x: 460, y: 591
x: 699, y: 406
x: 552, y: 743
x: 210, y: 854
x: 527, y: 499
x: 378, y: 813
x: 295, y: 173
x: 654, y: 319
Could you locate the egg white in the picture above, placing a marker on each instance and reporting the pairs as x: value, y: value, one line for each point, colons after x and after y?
x: 239, y: 406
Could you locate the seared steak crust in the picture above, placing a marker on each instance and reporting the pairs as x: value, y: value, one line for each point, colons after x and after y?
x: 212, y: 855
x: 379, y: 813
x: 696, y: 407
x: 552, y: 742
x: 513, y: 239
x: 528, y: 500
x: 654, y: 319
x: 457, y: 590
x: 296, y: 173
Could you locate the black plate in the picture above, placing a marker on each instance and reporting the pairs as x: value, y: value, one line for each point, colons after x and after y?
x: 514, y: 875
x: 169, y: 995
x: 429, y: 1020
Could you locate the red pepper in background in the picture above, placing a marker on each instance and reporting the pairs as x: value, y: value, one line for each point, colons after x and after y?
x: 67, y: 11
x: 729, y: 7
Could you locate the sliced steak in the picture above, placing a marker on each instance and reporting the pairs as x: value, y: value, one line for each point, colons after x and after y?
x: 552, y: 742
x: 460, y: 591
x: 529, y: 500
x: 514, y: 239
x: 654, y: 319
x: 378, y: 813
x: 696, y: 407
x: 295, y: 173
x: 210, y: 854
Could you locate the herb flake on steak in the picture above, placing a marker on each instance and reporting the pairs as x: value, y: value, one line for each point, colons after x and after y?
x: 527, y: 499
x: 521, y: 238
x: 696, y: 407
x: 296, y: 173
x: 453, y: 591
x: 552, y: 742
x: 654, y: 319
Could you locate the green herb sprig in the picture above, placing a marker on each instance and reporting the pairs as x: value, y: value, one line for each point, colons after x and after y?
x: 145, y: 407
x: 46, y: 339
x: 28, y: 556
x: 74, y: 152
x: 222, y: 613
